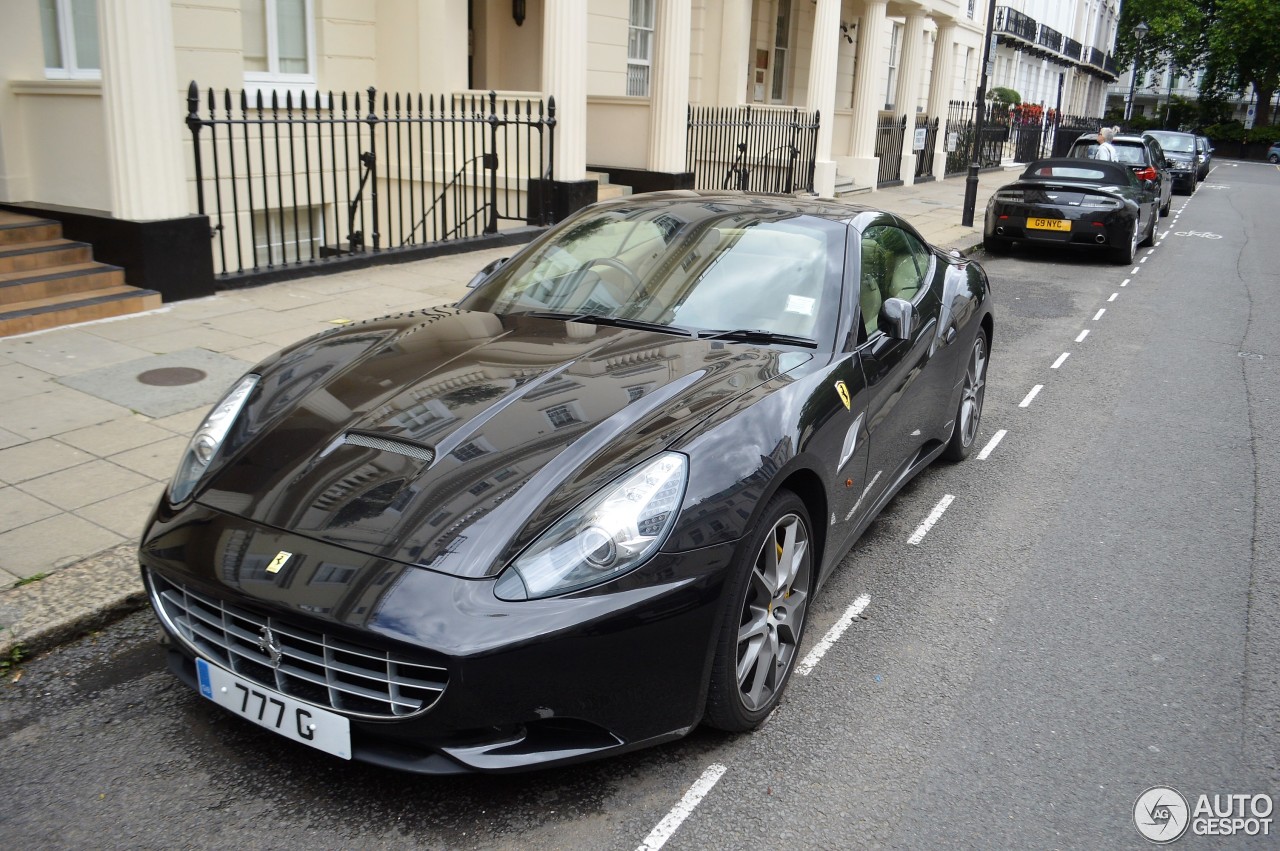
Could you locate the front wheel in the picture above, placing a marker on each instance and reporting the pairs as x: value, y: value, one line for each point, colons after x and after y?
x: 1273, y: 159
x: 768, y: 598
x: 969, y: 414
x: 1150, y: 238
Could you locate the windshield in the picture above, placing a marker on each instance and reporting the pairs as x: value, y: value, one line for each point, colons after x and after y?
x: 690, y: 265
x: 1181, y: 143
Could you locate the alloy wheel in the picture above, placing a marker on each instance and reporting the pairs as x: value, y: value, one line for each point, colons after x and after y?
x: 975, y: 383
x: 772, y: 617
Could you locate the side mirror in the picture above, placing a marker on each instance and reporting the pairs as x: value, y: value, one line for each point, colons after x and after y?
x: 1148, y: 184
x: 1168, y: 163
x: 484, y: 273
x: 898, y: 318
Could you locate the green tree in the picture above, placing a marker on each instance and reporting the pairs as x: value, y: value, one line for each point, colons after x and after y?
x: 1236, y: 42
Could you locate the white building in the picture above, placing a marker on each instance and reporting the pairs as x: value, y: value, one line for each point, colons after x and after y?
x: 1057, y: 53
x: 93, y: 96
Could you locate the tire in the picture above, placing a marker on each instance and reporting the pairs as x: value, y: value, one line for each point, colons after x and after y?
x: 1164, y: 211
x: 1150, y: 238
x: 1273, y: 159
x: 1124, y: 254
x: 969, y: 412
x: 767, y: 595
x: 994, y: 245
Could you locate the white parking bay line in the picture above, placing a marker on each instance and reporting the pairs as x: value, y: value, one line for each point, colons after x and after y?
x: 1062, y: 357
x: 809, y: 662
x: 1098, y: 315
x: 1136, y: 270
x: 1027, y: 399
x: 933, y: 518
x: 671, y: 823
x: 1114, y: 296
x: 992, y: 444
x: 1083, y: 334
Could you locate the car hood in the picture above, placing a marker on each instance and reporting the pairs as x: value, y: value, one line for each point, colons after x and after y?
x: 450, y: 439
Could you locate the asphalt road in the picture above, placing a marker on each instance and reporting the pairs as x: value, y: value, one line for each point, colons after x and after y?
x: 1097, y: 611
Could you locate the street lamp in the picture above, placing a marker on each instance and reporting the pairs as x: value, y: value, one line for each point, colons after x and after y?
x: 1139, y: 32
x: 971, y: 180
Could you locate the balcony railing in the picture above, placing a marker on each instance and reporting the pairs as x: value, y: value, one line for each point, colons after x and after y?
x: 1097, y: 58
x: 1050, y: 38
x: 1015, y: 23
x: 1071, y: 48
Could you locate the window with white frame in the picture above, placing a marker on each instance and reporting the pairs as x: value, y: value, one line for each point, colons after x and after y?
x: 972, y: 3
x: 781, y: 48
x: 895, y: 55
x: 279, y: 42
x: 70, y: 31
x: 640, y: 47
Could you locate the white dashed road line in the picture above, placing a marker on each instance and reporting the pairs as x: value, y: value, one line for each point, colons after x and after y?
x: 671, y: 823
x: 809, y: 662
x: 1083, y: 334
x: 1098, y: 315
x: 992, y: 444
x: 1113, y: 296
x: 1027, y: 400
x: 934, y: 517
x: 1062, y: 357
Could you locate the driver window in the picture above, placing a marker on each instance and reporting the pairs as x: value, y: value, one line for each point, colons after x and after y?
x: 893, y: 266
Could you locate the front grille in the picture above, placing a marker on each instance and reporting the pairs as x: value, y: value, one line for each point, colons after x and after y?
x: 313, y: 666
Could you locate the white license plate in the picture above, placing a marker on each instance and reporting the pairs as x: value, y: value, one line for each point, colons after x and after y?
x: 293, y: 719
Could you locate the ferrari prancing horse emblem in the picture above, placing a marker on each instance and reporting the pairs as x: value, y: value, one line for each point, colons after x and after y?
x: 843, y: 390
x: 281, y: 557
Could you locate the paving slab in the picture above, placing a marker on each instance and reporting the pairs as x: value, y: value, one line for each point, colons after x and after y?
x: 56, y: 411
x: 38, y: 458
x: 127, y: 384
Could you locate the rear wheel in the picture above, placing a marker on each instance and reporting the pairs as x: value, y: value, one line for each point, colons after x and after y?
x: 768, y: 594
x: 1164, y: 211
x: 1125, y: 252
x: 1274, y: 158
x: 969, y: 414
x: 995, y: 245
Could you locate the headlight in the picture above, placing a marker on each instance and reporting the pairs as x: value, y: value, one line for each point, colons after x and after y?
x: 612, y: 532
x: 204, y: 444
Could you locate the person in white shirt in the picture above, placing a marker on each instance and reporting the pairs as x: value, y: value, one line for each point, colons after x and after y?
x: 1106, y: 150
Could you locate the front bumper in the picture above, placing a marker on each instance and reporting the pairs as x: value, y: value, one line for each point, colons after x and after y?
x: 527, y: 684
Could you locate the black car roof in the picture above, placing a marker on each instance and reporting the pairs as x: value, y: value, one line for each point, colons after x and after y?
x: 746, y: 202
x: 1111, y: 173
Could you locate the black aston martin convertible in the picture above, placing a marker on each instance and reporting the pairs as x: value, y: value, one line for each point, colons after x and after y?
x: 582, y: 511
x: 1070, y: 201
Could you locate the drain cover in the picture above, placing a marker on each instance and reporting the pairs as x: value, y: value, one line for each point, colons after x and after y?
x: 172, y: 376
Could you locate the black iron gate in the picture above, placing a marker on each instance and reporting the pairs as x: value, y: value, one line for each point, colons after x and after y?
x: 752, y: 148
x: 889, y: 131
x: 303, y: 180
x: 924, y: 157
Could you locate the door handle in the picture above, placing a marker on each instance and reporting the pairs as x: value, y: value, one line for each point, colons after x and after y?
x: 951, y: 334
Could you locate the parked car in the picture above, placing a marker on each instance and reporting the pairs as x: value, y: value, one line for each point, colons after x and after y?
x: 1070, y: 201
x: 1144, y: 157
x: 1273, y: 155
x: 585, y: 509
x: 1204, y: 157
x: 1180, y: 148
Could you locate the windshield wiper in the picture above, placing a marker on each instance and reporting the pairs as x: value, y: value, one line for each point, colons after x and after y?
x: 615, y: 321
x: 755, y: 335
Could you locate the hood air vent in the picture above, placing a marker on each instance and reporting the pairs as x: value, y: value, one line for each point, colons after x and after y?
x: 382, y: 444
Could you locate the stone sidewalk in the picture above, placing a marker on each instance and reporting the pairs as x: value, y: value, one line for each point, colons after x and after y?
x: 96, y: 415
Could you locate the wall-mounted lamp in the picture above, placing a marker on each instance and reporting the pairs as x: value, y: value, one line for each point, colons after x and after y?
x: 517, y: 12
x: 847, y: 30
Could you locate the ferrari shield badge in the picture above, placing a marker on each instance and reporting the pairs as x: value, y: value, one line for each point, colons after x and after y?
x: 281, y: 557
x: 843, y: 390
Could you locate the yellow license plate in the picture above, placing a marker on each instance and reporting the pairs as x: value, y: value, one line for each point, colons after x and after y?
x: 1049, y: 224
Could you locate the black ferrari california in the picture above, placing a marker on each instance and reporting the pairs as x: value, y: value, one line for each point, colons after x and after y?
x: 1070, y: 201
x: 582, y: 511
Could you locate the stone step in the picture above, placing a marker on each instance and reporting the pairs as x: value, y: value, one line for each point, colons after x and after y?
x: 84, y: 278
x: 43, y: 254
x: 612, y: 190
x: 40, y: 314
x: 17, y: 229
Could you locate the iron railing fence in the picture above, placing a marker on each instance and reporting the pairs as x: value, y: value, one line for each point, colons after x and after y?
x: 924, y: 158
x: 752, y: 148
x: 960, y: 133
x: 290, y: 181
x: 889, y: 130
